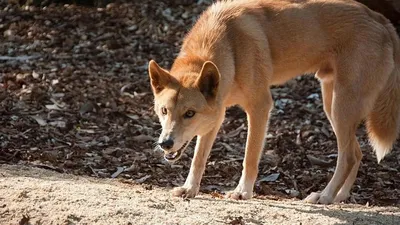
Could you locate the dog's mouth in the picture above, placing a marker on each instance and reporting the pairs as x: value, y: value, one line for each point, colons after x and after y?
x: 173, y: 156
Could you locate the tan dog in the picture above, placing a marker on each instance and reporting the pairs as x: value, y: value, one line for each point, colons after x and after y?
x: 238, y: 49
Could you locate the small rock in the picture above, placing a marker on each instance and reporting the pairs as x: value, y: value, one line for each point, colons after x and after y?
x: 292, y: 193
x: 35, y: 75
x: 132, y: 28
x: 185, y: 15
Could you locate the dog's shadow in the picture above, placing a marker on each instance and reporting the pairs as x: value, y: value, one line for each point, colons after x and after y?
x: 343, y: 213
x: 349, y: 214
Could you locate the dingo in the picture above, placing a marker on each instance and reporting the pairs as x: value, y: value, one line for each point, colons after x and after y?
x: 238, y: 49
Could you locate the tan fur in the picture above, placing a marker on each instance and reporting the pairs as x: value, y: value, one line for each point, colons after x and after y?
x: 238, y: 49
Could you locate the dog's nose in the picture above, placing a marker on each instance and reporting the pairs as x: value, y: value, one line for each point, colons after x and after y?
x: 166, y: 144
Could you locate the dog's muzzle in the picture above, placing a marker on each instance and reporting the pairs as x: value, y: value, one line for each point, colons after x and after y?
x: 173, y: 156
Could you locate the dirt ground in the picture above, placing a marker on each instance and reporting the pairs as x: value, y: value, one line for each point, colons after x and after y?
x: 51, y: 198
x: 75, y: 99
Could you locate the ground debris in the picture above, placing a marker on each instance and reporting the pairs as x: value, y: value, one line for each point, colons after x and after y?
x: 25, y: 220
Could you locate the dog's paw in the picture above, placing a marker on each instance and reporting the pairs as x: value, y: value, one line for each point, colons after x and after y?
x: 312, y: 198
x: 238, y: 195
x: 185, y: 192
x: 341, y: 197
x: 317, y: 197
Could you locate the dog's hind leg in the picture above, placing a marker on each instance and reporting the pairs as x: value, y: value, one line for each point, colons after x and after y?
x: 353, y: 90
x: 347, y: 111
x: 386, y: 111
x: 344, y: 192
x: 327, y: 85
x: 359, y: 77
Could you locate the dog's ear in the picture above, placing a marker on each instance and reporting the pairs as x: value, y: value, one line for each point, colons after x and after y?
x: 208, y: 81
x: 159, y: 78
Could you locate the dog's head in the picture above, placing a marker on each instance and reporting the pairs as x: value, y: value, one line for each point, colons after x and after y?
x: 185, y: 104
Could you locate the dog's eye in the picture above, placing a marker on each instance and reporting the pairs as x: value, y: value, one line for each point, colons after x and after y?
x: 189, y: 114
x: 164, y: 111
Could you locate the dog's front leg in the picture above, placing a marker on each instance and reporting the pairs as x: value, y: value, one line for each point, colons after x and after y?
x: 202, y: 150
x: 257, y: 117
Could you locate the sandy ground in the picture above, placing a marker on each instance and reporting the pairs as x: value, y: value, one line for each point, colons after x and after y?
x: 51, y: 198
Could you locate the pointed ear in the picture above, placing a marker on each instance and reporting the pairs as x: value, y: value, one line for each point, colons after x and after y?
x: 159, y: 78
x: 208, y: 81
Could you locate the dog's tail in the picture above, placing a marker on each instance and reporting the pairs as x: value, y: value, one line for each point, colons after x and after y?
x: 383, y: 122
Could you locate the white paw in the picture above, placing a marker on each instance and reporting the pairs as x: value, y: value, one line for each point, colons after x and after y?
x: 317, y: 197
x: 341, y: 197
x: 185, y: 192
x: 239, y: 194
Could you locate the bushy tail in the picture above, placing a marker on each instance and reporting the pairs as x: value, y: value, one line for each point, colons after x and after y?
x: 383, y: 122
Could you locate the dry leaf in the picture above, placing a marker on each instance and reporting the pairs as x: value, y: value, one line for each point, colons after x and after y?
x: 39, y: 120
x: 270, y: 178
x: 118, y: 172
